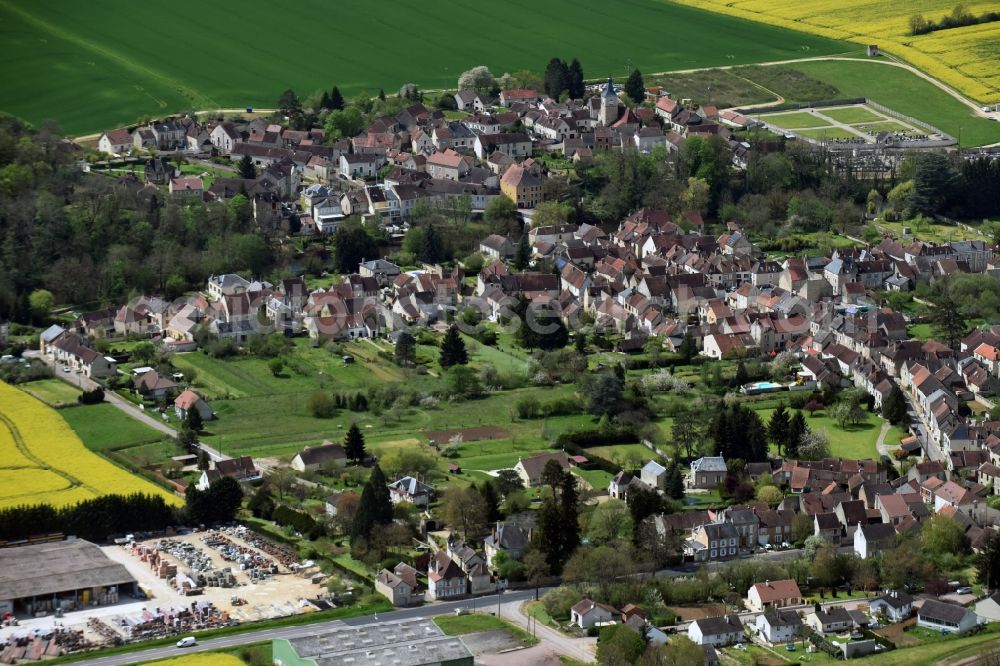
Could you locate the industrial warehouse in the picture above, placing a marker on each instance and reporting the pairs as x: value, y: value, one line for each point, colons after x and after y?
x: 407, y: 643
x: 38, y: 579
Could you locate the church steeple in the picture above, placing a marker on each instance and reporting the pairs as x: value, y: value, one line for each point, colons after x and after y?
x: 609, y: 89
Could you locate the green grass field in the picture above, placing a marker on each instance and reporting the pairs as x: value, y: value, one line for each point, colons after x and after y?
x: 883, y: 126
x: 96, y: 67
x: 248, y: 400
x: 792, y: 120
x: 851, y: 114
x: 852, y: 442
x: 54, y: 392
x: 104, y: 427
x: 896, y: 88
x: 456, y: 625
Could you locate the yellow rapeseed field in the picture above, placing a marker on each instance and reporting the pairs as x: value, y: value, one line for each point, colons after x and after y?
x: 210, y: 659
x: 43, y: 460
x: 964, y: 58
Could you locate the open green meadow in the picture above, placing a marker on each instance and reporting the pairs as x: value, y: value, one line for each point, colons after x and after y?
x: 849, y: 115
x: 260, y: 414
x: 93, y: 67
x: 793, y: 120
x: 53, y: 392
x: 104, y: 427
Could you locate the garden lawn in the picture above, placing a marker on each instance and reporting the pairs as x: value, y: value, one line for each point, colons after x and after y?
x: 791, y: 120
x: 883, y: 126
x: 921, y: 331
x: 104, y: 427
x: 94, y: 67
x: 850, y: 115
x: 614, y: 452
x: 597, y: 478
x: 54, y: 392
x: 856, y: 442
x: 456, y: 625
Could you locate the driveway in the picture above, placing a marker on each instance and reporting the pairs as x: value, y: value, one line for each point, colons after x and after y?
x: 581, y: 649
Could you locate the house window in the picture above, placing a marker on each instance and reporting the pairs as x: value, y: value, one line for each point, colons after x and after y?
x: 714, y: 554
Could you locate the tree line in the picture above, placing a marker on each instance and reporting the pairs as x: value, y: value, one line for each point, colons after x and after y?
x: 959, y: 17
x: 102, y: 517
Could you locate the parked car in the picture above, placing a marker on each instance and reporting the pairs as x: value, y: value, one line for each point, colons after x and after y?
x: 964, y: 590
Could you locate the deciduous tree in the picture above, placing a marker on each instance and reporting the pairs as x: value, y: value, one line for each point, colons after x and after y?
x: 465, y: 510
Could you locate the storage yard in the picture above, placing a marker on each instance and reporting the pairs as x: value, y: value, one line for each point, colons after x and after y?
x: 183, y: 583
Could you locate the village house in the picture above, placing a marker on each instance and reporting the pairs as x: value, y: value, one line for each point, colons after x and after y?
x: 496, y: 246
x: 530, y: 469
x: 711, y: 542
x: 829, y: 620
x: 716, y: 631
x: 445, y: 579
x: 778, y: 626
x: 360, y: 165
x: 521, y: 186
x: 399, y: 586
x: 411, y: 490
x: 507, y: 538
x: 774, y: 594
x: 708, y: 472
x: 115, y: 142
x: 153, y: 385
x: 315, y: 458
x: 241, y: 469
x: 945, y: 617
x: 988, y: 609
x: 869, y: 540
x: 895, y: 605
x: 189, y: 400
x: 587, y: 613
x: 654, y: 475
x: 187, y: 187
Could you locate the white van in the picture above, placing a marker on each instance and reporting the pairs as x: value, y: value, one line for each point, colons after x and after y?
x: 187, y: 641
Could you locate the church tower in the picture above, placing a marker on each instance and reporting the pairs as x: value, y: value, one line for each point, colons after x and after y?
x: 609, y: 104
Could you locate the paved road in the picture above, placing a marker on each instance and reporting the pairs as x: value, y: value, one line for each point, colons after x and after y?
x: 261, y: 635
x: 580, y: 649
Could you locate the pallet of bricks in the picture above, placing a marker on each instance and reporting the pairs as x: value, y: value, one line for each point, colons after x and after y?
x: 151, y: 556
x: 286, y: 556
